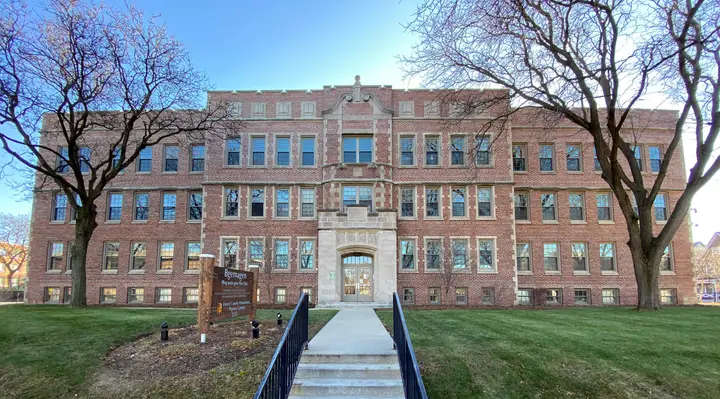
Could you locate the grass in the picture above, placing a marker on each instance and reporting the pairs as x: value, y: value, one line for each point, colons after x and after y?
x: 590, y: 352
x: 50, y: 351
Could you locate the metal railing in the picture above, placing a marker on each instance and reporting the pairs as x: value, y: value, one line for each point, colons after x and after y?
x: 279, y: 376
x: 409, y: 368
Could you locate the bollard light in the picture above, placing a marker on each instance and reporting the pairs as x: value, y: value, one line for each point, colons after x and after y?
x: 164, y: 331
x: 255, y: 329
x: 279, y: 319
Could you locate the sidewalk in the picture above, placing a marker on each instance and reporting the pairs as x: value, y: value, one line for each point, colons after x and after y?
x: 352, y: 331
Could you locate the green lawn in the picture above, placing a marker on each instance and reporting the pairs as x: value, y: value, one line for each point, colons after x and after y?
x: 49, y: 351
x: 589, y: 352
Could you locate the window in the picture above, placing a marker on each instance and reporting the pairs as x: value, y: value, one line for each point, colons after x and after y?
x: 524, y: 296
x: 190, y: 295
x: 550, y: 253
x: 607, y: 257
x: 307, y: 291
x: 434, y: 296
x: 193, y: 256
x: 59, y: 207
x: 231, y: 202
x: 546, y: 158
x: 596, y: 162
x: 169, y: 201
x: 482, y: 150
x: 458, y: 202
x: 197, y: 161
x: 136, y: 295
x: 357, y: 149
x: 604, y: 210
x: 521, y: 206
x: 280, y: 295
x: 308, y: 109
x: 655, y: 158
x: 84, y: 155
x: 407, y: 151
x: 144, y: 163
x: 258, y: 151
x: 668, y: 296
x: 164, y: 295
x: 232, y: 151
x: 459, y: 252
x: 172, y: 153
x: 408, y: 296
x: 282, y: 157
x: 574, y: 162
x: 257, y: 110
x: 234, y: 109
x: 407, y: 202
x: 73, y: 213
x: 461, y: 296
x: 282, y: 202
x: 522, y: 257
x: 116, y: 158
x: 307, y: 202
x: 432, y: 202
x: 56, y: 255
x: 308, y: 151
x: 457, y: 150
x: 230, y: 248
x: 660, y: 205
x: 108, y: 295
x: 577, y: 206
x: 282, y: 254
x: 432, y: 146
x: 61, y: 165
x: 142, y: 206
x: 112, y: 252
x: 69, y: 263
x: 486, y: 250
x: 307, y: 254
x: 407, y: 108
x: 484, y: 199
x: 407, y: 254
x: 257, y: 207
x: 519, y: 152
x: 579, y: 256
x: 256, y: 252
x: 548, y: 207
x: 582, y: 296
x: 637, y: 151
x: 610, y: 296
x: 138, y: 255
x: 553, y: 297
x: 433, y: 248
x: 283, y: 109
x: 488, y: 296
x: 167, y: 250
x: 432, y: 109
x: 666, y: 261
x: 195, y: 206
x: 114, y: 206
x: 361, y: 195
x: 67, y: 294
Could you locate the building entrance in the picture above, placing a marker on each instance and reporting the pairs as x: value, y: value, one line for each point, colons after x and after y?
x: 357, y: 278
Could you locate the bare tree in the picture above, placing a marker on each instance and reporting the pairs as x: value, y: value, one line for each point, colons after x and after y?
x: 83, y: 90
x: 706, y: 264
x: 591, y: 62
x: 14, y: 242
x: 452, y: 259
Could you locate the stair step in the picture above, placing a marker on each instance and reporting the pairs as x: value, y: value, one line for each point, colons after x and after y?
x: 343, y: 397
x: 347, y: 387
x: 348, y: 370
x: 365, y: 358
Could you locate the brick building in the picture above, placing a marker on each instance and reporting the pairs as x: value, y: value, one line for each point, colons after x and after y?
x: 353, y: 192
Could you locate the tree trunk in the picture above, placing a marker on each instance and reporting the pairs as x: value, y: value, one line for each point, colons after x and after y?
x: 85, y: 225
x: 647, y: 270
x: 9, y: 276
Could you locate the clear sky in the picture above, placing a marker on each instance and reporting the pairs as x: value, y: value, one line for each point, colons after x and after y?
x: 304, y: 45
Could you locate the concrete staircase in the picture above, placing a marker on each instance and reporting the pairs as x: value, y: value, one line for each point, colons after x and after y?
x: 353, y: 305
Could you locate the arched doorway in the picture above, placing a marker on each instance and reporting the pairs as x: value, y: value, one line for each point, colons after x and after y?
x: 357, y: 272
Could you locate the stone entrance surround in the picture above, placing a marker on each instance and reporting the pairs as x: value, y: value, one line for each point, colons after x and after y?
x: 357, y: 231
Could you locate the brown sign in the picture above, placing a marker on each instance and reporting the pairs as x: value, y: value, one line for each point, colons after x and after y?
x: 232, y: 293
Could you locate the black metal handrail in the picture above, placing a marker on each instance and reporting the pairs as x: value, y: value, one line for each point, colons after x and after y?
x: 409, y: 368
x: 279, y: 376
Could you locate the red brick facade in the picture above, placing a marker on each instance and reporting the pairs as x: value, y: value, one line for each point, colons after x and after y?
x: 325, y: 117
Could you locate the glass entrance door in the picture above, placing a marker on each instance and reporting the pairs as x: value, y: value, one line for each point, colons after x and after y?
x: 357, y: 278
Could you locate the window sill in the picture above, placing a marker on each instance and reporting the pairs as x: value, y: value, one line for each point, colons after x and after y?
x: 547, y: 172
x: 407, y: 218
x: 491, y: 166
x: 139, y: 221
x: 525, y: 273
x: 407, y: 166
x: 578, y: 222
x: 58, y: 271
x: 57, y: 222
x: 550, y: 222
x: 71, y: 222
x: 232, y: 166
x: 194, y: 221
x: 307, y: 271
x: 575, y: 172
x: 168, y: 173
x: 191, y: 271
x: 522, y: 221
x: 487, y: 272
x: 462, y: 271
x: 136, y: 271
x: 459, y: 218
x: 256, y: 218
x: 142, y: 173
x: 230, y: 218
x: 282, y: 166
x: 196, y: 172
x: 281, y: 271
x: 661, y: 222
x: 167, y: 221
x: 112, y: 222
x: 459, y: 166
x: 164, y: 271
x: 109, y: 272
x: 667, y: 273
x: 485, y: 218
x: 580, y: 273
x: 307, y: 166
x: 281, y: 218
x: 553, y: 273
x: 432, y: 166
x: 436, y: 218
x: 408, y: 271
x: 606, y: 222
x: 68, y: 272
x: 608, y: 273
x: 257, y: 166
x: 307, y: 218
x: 520, y: 172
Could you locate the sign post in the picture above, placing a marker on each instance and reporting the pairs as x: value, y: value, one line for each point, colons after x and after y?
x: 206, y: 294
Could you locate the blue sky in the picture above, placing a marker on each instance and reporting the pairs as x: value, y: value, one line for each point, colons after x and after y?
x: 305, y: 45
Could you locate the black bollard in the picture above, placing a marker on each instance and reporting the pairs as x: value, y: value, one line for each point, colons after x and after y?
x: 256, y: 329
x: 279, y: 319
x: 164, y: 331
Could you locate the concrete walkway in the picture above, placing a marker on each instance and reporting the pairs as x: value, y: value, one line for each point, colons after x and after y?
x: 352, y: 331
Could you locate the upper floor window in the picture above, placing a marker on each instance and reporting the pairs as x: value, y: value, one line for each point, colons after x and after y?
x: 257, y: 207
x: 596, y: 162
x: 282, y: 254
x: 607, y: 256
x: 258, y: 151
x: 574, y: 162
x: 231, y: 201
x: 361, y: 195
x: 84, y: 154
x: 546, y: 158
x: 407, y: 151
x: 521, y: 206
x: 407, y: 254
x: 660, y: 205
x: 197, y: 163
x: 59, y: 207
x: 579, y: 256
x: 432, y: 109
x: 195, y: 206
x: 666, y: 262
x: 577, y: 206
x: 522, y: 257
x: 550, y: 255
x: 257, y: 110
x: 116, y: 158
x: 230, y: 249
x: 432, y: 154
x: 115, y: 201
x: 357, y: 149
x: 112, y: 252
x: 407, y: 108
x: 61, y: 165
x: 407, y: 202
x: 485, y: 199
x: 193, y: 256
x: 432, y: 202
x: 486, y: 253
x: 56, y: 255
x: 604, y: 208
x: 283, y: 109
x: 548, y: 207
x: 307, y: 202
x: 458, y: 202
x: 232, y: 151
x: 282, y: 202
x: 307, y: 254
x: 234, y: 109
x: 482, y: 150
x: 172, y: 153
x: 519, y: 154
x: 138, y: 255
x: 457, y: 150
x: 283, y: 151
x: 655, y: 158
x: 459, y: 253
x: 167, y: 253
x: 308, y: 151
x: 308, y: 109
x: 168, y: 208
x: 256, y: 252
x: 637, y: 151
x: 144, y: 163
x: 433, y: 249
x: 142, y: 206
